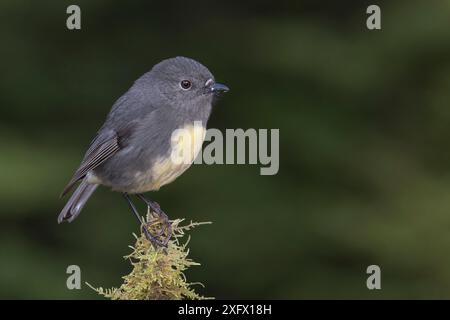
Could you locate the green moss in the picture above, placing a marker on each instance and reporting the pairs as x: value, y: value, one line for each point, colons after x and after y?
x: 157, y: 274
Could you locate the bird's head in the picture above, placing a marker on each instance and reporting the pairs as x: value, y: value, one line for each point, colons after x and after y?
x: 185, y: 83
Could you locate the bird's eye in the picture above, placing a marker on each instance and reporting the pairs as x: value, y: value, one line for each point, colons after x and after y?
x: 185, y: 84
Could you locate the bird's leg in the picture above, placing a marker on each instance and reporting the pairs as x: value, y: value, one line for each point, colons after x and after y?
x: 154, y: 206
x: 148, y: 235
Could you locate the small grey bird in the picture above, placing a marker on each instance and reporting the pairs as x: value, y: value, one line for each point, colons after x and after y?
x: 132, y: 152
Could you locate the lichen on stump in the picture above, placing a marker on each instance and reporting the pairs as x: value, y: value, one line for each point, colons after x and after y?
x: 157, y: 273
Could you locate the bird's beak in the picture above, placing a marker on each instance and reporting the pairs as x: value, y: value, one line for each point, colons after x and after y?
x: 219, y: 88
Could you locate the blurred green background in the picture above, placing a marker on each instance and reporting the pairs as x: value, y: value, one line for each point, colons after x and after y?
x: 364, y: 119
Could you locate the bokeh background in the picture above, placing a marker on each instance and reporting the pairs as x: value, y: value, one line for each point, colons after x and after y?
x: 364, y: 119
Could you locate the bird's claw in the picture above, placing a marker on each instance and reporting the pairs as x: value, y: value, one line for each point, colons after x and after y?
x: 158, y: 226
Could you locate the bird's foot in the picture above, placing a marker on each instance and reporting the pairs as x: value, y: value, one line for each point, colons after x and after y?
x: 154, y: 239
x: 158, y: 228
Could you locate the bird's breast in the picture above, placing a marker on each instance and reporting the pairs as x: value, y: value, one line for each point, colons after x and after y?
x: 185, y: 144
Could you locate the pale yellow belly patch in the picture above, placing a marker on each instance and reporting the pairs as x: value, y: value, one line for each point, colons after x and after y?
x: 185, y: 143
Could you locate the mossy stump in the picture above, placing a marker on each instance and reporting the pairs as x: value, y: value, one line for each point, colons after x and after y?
x: 157, y: 273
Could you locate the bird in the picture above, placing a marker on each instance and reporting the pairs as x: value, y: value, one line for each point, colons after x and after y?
x: 133, y: 151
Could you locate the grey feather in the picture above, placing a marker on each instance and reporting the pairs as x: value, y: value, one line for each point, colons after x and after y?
x: 77, y: 201
x: 102, y: 147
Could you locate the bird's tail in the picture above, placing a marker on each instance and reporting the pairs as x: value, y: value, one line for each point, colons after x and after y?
x: 77, y: 201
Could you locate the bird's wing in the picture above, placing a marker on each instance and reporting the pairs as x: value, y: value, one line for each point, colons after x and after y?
x: 104, y: 145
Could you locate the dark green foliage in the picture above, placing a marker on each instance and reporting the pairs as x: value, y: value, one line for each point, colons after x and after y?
x: 364, y: 127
